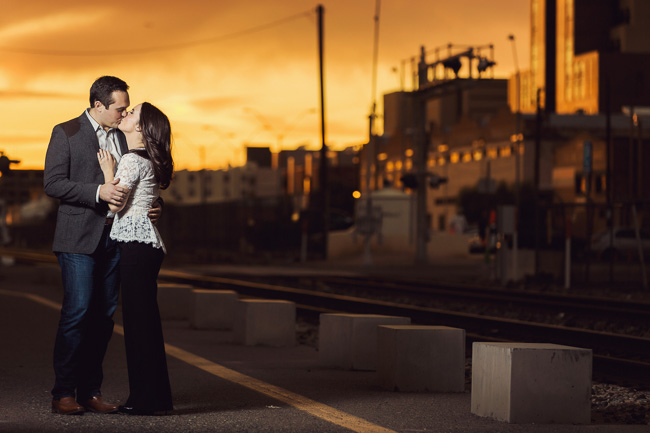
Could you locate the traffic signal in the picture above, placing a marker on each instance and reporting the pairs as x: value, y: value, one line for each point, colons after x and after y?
x: 5, y: 164
x: 452, y: 63
x: 484, y: 63
x: 409, y: 180
x: 435, y: 181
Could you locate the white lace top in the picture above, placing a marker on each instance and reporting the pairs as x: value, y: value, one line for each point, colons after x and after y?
x: 132, y: 223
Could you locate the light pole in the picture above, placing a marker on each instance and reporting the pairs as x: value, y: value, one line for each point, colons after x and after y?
x: 518, y: 110
x: 515, y: 232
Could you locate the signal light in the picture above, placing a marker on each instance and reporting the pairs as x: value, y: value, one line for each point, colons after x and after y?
x: 5, y: 164
x: 409, y: 180
x: 484, y: 63
x: 435, y: 181
x: 452, y: 63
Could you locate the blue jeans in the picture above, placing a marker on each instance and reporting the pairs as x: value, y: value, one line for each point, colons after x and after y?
x: 90, y: 293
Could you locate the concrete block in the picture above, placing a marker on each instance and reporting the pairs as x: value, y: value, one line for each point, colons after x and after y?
x: 531, y: 383
x: 349, y: 341
x: 212, y: 309
x: 174, y: 301
x: 421, y: 358
x: 265, y: 322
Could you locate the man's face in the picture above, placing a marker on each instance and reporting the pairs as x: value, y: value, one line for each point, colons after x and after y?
x: 112, y: 116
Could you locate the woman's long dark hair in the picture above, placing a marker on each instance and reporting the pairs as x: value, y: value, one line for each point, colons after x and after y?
x: 157, y: 137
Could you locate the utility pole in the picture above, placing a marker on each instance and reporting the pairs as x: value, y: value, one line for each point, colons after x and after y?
x: 421, y: 149
x: 608, y: 177
x: 538, y: 145
x: 515, y: 234
x: 324, y: 175
x: 371, y: 149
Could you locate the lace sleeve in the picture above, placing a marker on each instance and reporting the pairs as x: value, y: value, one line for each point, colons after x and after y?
x: 128, y: 170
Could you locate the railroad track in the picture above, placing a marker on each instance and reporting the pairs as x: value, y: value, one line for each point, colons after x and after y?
x: 618, y: 358
x: 385, y: 287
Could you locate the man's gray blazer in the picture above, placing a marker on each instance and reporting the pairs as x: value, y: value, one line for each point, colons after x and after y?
x: 72, y: 175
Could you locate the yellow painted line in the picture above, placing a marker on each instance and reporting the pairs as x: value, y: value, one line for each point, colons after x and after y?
x: 297, y: 401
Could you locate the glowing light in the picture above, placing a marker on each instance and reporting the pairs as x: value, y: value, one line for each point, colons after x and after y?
x: 478, y: 155
x: 443, y: 148
x: 382, y: 157
x: 356, y: 194
x: 454, y: 157
x: 408, y: 153
x: 493, y: 153
x: 467, y: 157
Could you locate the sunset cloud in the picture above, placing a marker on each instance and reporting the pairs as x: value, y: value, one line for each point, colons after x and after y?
x: 49, y: 25
x: 203, y: 62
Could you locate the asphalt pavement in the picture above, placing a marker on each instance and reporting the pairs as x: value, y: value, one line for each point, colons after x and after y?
x: 217, y: 386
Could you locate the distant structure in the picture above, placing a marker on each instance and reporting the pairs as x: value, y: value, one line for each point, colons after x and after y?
x: 261, y: 156
x: 215, y: 186
x: 468, y: 129
x: 571, y: 130
x: 588, y: 78
x: 584, y: 52
x: 296, y: 176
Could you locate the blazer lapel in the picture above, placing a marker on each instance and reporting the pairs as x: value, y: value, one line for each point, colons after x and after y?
x: 88, y: 132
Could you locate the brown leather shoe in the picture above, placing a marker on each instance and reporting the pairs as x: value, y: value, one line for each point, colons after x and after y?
x: 67, y: 406
x: 97, y: 404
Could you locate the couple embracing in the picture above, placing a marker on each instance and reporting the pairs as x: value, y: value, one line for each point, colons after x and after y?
x: 106, y: 167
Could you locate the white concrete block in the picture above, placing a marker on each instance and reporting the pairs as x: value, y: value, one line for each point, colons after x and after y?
x: 349, y: 341
x: 212, y: 309
x: 265, y: 322
x: 531, y: 383
x: 421, y: 358
x: 174, y: 301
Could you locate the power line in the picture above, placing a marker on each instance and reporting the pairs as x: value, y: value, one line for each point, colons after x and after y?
x: 177, y: 46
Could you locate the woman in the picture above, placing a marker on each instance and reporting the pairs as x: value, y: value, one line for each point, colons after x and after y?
x: 146, y: 168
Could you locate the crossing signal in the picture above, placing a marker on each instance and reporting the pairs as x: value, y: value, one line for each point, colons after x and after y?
x: 452, y: 63
x: 5, y: 164
x: 484, y: 64
x: 409, y: 180
x: 435, y: 181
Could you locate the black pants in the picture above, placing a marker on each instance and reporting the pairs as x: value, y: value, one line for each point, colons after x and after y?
x: 145, y: 348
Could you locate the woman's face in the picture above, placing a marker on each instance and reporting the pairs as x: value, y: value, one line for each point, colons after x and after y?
x: 131, y: 123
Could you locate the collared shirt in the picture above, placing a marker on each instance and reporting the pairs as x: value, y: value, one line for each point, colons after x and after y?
x: 108, y: 141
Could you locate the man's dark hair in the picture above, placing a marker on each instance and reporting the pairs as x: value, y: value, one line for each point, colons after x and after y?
x: 103, y: 88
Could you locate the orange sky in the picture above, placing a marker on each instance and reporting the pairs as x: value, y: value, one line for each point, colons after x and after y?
x: 222, y: 75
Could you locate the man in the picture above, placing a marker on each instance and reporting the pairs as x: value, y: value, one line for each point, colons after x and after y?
x: 87, y: 256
